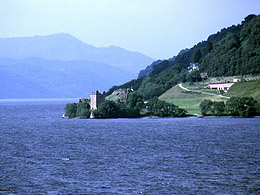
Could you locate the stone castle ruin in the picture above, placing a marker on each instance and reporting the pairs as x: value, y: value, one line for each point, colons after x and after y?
x: 96, y: 99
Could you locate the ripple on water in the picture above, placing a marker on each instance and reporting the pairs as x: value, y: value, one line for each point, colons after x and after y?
x: 125, y: 156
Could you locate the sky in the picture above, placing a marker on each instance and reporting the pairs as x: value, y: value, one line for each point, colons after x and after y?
x: 157, y: 28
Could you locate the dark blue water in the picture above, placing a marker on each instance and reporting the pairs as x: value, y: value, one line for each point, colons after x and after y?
x: 42, y: 153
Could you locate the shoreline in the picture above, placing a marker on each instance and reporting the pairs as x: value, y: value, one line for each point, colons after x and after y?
x: 158, y: 117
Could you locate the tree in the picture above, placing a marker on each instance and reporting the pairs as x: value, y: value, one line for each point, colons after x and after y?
x: 243, y: 107
x: 218, y: 108
x: 110, y: 109
x: 194, y: 76
x: 107, y: 109
x: 209, y: 47
x: 205, y: 106
x: 70, y: 110
x: 135, y: 101
x: 196, y: 56
x: 83, y: 109
x: 164, y: 109
x: 249, y: 18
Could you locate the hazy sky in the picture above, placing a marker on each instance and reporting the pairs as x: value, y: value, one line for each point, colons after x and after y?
x: 158, y: 28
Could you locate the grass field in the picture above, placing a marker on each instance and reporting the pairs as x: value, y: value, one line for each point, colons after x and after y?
x: 191, y: 105
x: 190, y: 101
x: 177, y: 93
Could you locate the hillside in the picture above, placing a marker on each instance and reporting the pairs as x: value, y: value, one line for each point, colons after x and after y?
x: 148, y: 69
x: 146, y: 72
x: 245, y: 89
x: 65, y: 47
x: 231, y: 51
x: 190, y: 101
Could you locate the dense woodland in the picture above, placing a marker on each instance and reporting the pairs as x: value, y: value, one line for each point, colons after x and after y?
x: 231, y: 51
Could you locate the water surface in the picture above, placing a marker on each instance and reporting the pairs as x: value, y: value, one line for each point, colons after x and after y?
x: 43, y: 153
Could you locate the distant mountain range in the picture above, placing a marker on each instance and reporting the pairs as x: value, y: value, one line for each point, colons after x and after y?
x: 61, y: 65
x: 66, y: 47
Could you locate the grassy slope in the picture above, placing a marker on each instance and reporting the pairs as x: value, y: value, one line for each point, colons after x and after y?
x: 188, y: 100
x: 177, y: 93
x: 112, y: 97
x: 245, y: 89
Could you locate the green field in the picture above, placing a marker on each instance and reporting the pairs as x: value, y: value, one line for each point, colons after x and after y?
x: 190, y: 101
x: 191, y: 105
x: 177, y: 93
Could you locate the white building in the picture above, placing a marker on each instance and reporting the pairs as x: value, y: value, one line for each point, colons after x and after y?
x: 223, y: 86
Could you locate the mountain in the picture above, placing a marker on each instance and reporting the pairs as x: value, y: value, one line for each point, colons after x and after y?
x: 60, y: 65
x: 15, y: 86
x: 39, y: 78
x: 65, y: 47
x: 231, y: 51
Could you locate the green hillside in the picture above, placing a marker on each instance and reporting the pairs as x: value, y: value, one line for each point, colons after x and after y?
x: 232, y: 51
x: 245, y: 89
x: 229, y: 54
x: 177, y: 93
x: 190, y: 101
x: 112, y: 97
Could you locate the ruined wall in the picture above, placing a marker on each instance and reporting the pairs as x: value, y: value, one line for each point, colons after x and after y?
x: 96, y: 99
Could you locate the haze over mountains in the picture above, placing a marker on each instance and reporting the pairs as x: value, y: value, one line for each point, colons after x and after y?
x: 61, y: 65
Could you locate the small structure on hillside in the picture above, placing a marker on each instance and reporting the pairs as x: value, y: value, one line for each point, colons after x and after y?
x: 223, y: 86
x: 193, y: 66
x: 96, y: 99
x: 236, y: 80
x: 122, y: 93
x: 204, y: 75
x: 119, y: 91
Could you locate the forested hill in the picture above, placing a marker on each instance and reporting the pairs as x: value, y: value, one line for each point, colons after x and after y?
x: 231, y: 51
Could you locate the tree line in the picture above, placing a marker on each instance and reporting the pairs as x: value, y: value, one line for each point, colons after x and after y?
x: 235, y: 106
x: 134, y: 107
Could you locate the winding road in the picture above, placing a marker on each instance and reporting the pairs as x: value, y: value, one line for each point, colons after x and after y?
x: 180, y: 85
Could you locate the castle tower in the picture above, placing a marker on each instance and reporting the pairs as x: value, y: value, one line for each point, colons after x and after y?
x: 96, y: 99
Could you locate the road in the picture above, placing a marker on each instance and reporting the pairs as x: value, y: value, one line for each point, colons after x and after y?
x: 196, y: 91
